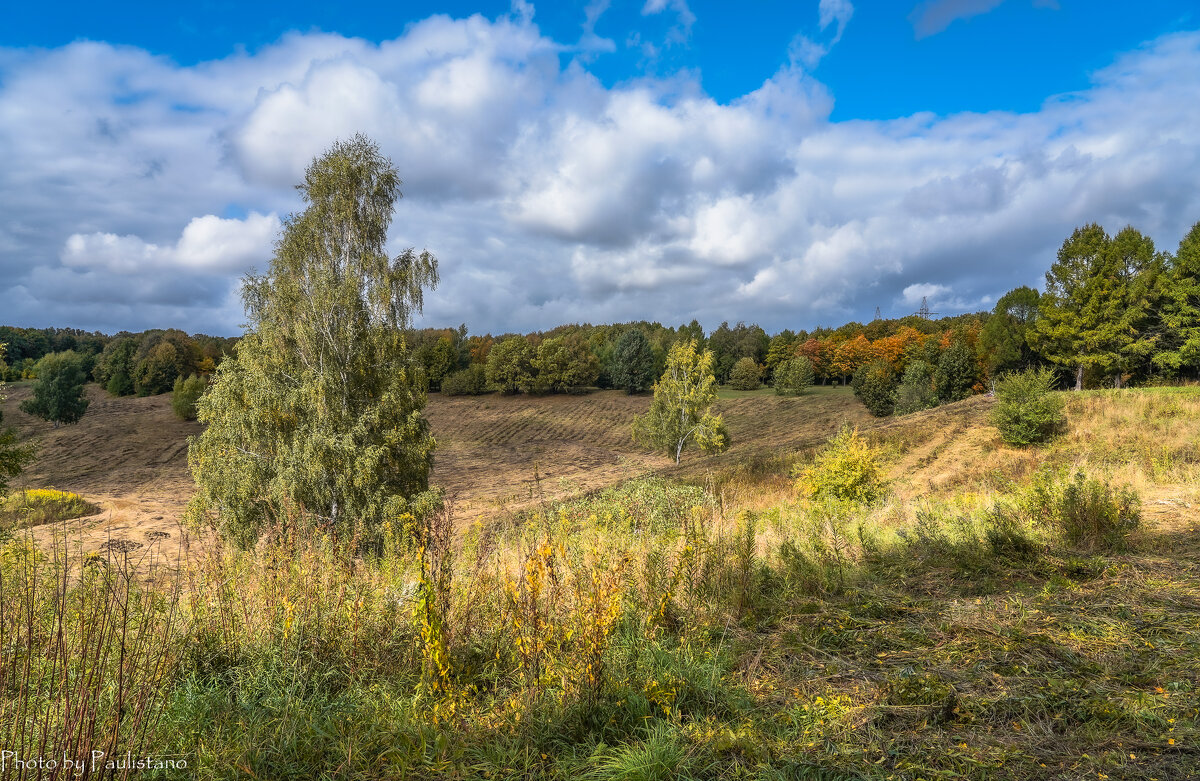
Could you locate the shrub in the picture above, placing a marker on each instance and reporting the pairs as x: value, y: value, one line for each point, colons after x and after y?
x: 875, y: 386
x: 1091, y: 514
x: 916, y: 391
x: 1028, y: 410
x: 847, y: 469
x: 746, y: 375
x: 185, y: 394
x: 471, y: 381
x: 793, y: 377
x: 58, y: 394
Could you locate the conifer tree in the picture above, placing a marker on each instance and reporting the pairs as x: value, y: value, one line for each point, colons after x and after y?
x: 317, y: 416
x: 1180, y: 348
x: 632, y: 365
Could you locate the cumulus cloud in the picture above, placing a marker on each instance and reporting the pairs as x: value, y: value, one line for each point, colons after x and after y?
x: 135, y: 190
x: 208, y: 244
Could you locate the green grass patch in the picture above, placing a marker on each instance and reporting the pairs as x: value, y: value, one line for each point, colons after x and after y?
x: 24, y: 509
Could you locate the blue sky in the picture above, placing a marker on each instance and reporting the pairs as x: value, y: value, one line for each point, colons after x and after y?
x: 788, y: 163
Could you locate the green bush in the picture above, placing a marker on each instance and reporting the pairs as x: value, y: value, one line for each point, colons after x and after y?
x: 1091, y: 514
x: 793, y: 377
x: 1087, y: 512
x: 471, y: 381
x: 1028, y: 410
x: 875, y: 386
x: 185, y: 394
x: 58, y: 394
x: 847, y: 469
x: 746, y: 375
x: 956, y: 372
x: 916, y: 391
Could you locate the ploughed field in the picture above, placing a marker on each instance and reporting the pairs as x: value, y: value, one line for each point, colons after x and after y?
x: 495, y: 453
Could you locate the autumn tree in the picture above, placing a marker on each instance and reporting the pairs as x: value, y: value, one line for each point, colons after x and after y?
x: 679, y: 413
x: 317, y: 418
x: 850, y: 355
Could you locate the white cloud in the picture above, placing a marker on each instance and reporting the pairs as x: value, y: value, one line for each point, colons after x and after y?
x: 551, y: 198
x: 208, y: 244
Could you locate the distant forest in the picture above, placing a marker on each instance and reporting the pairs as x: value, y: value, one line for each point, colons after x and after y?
x: 1114, y: 311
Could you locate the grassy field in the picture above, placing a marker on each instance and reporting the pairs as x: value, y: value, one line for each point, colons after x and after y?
x: 496, y: 454
x: 987, y: 617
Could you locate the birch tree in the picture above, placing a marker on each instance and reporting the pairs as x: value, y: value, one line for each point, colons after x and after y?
x: 316, y: 419
x: 679, y: 413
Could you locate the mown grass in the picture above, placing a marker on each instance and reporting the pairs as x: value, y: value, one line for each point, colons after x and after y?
x: 36, y: 506
x: 732, y: 628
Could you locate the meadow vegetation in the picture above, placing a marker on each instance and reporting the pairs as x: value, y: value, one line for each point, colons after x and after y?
x: 36, y: 506
x: 1034, y: 615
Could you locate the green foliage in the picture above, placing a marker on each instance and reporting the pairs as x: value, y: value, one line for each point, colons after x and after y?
x: 37, y: 506
x: 1179, y: 350
x: 875, y: 386
x: 745, y: 375
x: 1028, y: 410
x: 956, y: 372
x: 510, y: 365
x: 317, y: 417
x: 58, y: 394
x: 1004, y: 341
x: 565, y: 364
x: 185, y: 394
x: 471, y: 381
x: 1088, y: 512
x: 1098, y: 309
x: 847, y: 469
x: 632, y: 366
x: 679, y: 412
x: 793, y: 376
x: 157, y: 371
x: 916, y: 391
x: 114, y: 367
x: 13, y: 457
x: 1092, y: 514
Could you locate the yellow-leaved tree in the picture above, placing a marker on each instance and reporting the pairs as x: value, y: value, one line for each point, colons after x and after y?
x: 679, y: 414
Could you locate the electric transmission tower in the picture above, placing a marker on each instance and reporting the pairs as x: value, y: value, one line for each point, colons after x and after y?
x: 924, y: 312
